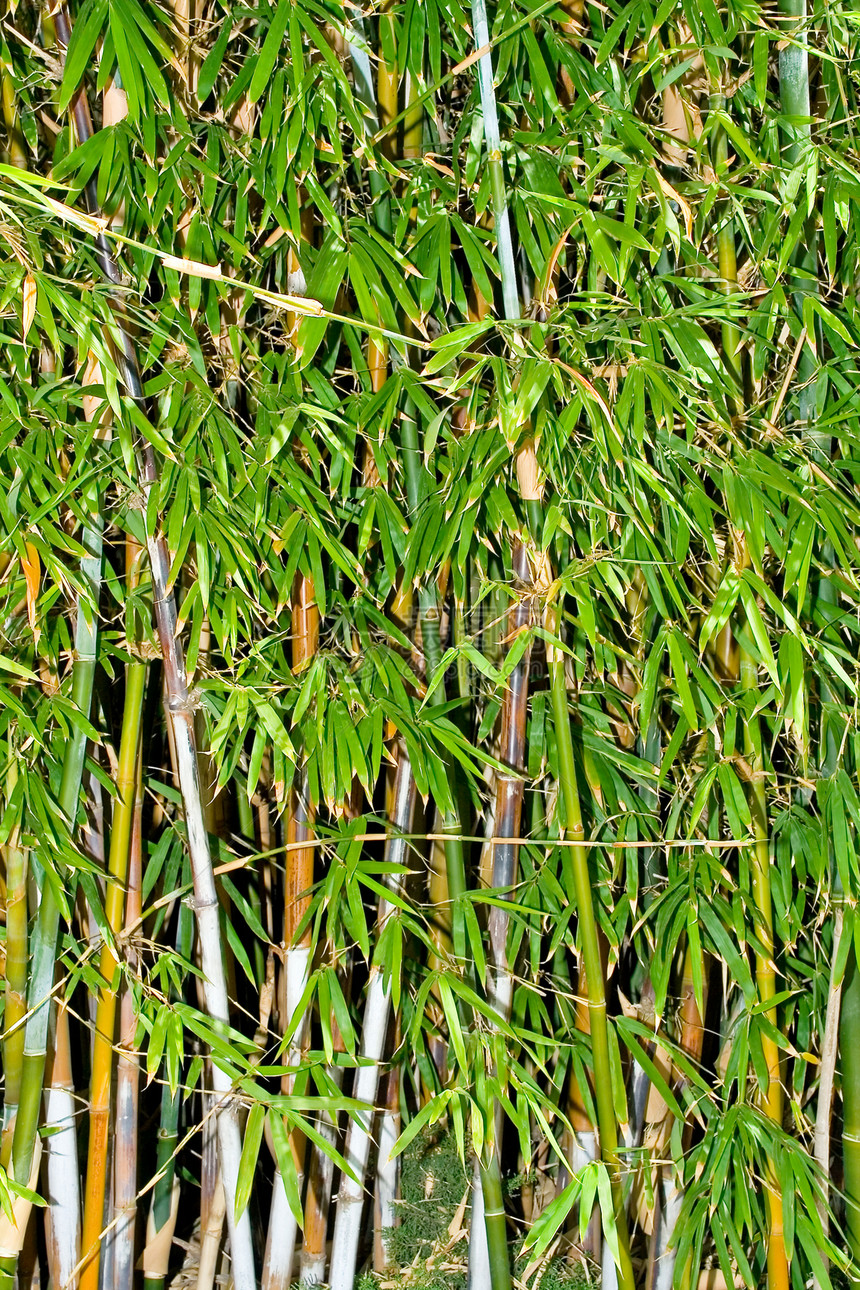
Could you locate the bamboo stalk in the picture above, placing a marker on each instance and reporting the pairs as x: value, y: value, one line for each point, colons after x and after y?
x: 102, y: 1068
x: 281, y: 1239
x: 824, y: 1108
x: 180, y: 719
x: 350, y: 1197
x: 15, y: 863
x: 590, y: 949
x: 849, y: 1047
x: 213, y: 1202
x: 510, y: 294
x: 777, y: 1264
x: 488, y: 1253
x: 128, y: 1075
x: 778, y: 1277
x: 670, y: 1196
x: 60, y: 1161
x: 46, y: 932
x: 16, y: 153
x: 385, y: 1213
x: 128, y: 1072
x: 795, y: 104
x: 320, y: 1177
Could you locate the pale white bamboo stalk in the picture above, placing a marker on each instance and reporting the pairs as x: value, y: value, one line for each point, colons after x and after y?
x: 313, y: 1263
x: 479, y: 1276
x: 13, y: 1230
x: 829, y: 1053
x: 388, y: 1170
x: 668, y: 1213
x: 283, y: 1228
x: 350, y: 1197
x: 60, y: 1164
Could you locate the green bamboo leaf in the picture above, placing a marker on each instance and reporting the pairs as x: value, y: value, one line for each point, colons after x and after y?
x: 268, y: 55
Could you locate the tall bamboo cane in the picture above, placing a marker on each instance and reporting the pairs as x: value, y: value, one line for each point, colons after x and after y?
x: 320, y: 1179
x: 590, y: 948
x: 350, y: 1197
x: 161, y: 1221
x: 128, y: 1074
x: 46, y: 932
x: 281, y: 1240
x: 829, y: 1053
x: 103, y: 1040
x: 15, y: 862
x: 61, y: 1169
x: 772, y: 1101
x: 488, y: 1253
x: 180, y: 718
x: 849, y: 1048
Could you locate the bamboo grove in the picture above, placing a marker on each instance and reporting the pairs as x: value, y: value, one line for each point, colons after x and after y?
x: 430, y: 632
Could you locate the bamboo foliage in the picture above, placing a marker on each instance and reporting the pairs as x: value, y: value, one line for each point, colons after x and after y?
x: 477, y: 387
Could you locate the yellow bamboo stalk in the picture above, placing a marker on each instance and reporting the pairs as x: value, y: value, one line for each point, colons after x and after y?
x: 102, y: 1068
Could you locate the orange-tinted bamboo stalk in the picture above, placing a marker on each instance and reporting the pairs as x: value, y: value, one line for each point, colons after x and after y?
x: 100, y: 1087
x: 298, y: 880
x: 15, y: 865
x: 128, y: 1069
x: 320, y: 1175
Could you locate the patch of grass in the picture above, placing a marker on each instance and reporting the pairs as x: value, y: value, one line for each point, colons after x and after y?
x: 433, y: 1183
x: 423, y: 1254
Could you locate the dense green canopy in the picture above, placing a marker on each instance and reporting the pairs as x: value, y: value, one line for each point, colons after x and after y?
x: 429, y: 553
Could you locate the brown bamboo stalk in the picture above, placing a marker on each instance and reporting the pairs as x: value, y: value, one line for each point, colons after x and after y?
x: 320, y: 1176
x: 298, y: 880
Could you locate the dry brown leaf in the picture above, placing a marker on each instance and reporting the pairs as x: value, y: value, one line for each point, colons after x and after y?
x: 32, y: 566
x: 29, y: 304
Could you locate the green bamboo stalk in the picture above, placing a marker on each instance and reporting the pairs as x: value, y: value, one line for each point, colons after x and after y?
x: 510, y: 291
x: 429, y: 610
x: 162, y: 1209
x: 777, y: 1264
x: 102, y: 1068
x: 16, y: 154
x: 778, y: 1277
x: 849, y: 1044
x: 590, y: 947
x: 795, y: 104
x: 16, y: 965
x: 488, y: 1259
x: 47, y: 929
x: 727, y: 255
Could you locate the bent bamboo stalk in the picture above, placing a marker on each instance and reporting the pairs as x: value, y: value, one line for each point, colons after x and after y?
x: 180, y: 719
